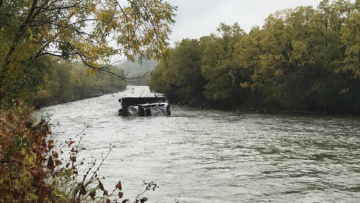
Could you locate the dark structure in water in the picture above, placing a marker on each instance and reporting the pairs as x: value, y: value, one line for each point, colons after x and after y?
x: 144, y: 106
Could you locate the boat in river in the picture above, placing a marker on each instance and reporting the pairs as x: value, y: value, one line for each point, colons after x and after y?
x: 144, y: 106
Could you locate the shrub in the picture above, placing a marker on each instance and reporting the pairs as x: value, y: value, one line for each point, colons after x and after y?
x: 32, y: 168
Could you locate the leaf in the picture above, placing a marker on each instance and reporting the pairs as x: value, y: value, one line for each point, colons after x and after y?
x: 51, y: 144
x: 101, y: 186
x: 50, y: 165
x: 57, y: 162
x: 73, y: 158
x: 144, y: 199
x: 92, y: 194
x: 70, y: 143
x: 108, y: 201
x: 74, y: 170
x: 55, y: 154
x: 74, y: 150
x: 121, y: 194
x: 126, y: 200
x: 106, y: 193
x: 83, y: 190
x: 118, y: 186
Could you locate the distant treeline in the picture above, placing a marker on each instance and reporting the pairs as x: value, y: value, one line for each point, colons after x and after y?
x: 302, y: 59
x: 56, y: 81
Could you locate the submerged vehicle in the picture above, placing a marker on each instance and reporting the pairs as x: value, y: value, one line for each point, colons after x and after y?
x: 144, y: 106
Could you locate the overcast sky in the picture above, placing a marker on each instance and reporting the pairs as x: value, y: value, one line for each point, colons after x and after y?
x: 196, y: 18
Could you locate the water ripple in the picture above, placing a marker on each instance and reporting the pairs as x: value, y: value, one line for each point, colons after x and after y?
x: 214, y: 156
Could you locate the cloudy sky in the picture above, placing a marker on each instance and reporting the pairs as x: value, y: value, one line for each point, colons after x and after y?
x: 196, y: 18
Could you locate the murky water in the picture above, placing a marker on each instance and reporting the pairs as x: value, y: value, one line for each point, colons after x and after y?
x: 214, y: 156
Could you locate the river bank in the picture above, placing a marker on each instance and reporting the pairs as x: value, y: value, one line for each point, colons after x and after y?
x: 41, y: 103
x: 246, y: 109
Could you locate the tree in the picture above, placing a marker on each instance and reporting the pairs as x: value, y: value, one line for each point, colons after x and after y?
x: 79, y: 30
x: 185, y: 81
x: 218, y: 65
x: 301, y: 59
x: 350, y: 34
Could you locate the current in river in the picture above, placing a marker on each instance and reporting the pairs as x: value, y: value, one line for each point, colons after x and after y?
x: 202, y: 155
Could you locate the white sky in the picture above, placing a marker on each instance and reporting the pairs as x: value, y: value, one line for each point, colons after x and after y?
x: 197, y: 18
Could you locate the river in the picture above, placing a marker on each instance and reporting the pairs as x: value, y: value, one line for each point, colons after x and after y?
x: 203, y: 156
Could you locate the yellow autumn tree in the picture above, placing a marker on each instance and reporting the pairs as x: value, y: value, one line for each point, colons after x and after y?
x: 91, y: 31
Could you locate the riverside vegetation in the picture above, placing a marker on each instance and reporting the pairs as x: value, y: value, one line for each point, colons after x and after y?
x: 64, y: 81
x: 34, y: 168
x: 52, y: 51
x: 302, y: 59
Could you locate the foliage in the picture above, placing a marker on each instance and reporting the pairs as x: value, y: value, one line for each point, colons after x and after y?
x: 179, y: 76
x: 58, y: 81
x: 65, y: 82
x: 302, y: 59
x: 32, y: 168
x: 218, y: 65
x: 32, y: 34
x: 78, y: 30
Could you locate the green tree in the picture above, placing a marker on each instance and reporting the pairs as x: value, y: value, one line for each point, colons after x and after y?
x: 219, y: 66
x: 350, y: 35
x: 301, y: 59
x: 180, y: 73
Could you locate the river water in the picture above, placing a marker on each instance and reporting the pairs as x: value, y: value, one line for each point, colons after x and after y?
x: 206, y: 156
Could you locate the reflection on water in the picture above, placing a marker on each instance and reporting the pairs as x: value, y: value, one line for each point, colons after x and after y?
x: 214, y: 156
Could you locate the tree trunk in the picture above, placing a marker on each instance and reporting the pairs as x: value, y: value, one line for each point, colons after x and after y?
x: 5, y: 67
